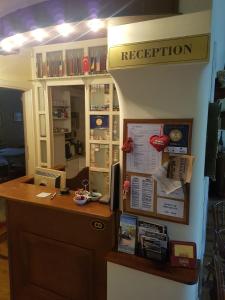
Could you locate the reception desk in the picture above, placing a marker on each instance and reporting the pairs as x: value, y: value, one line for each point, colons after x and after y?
x: 57, y: 249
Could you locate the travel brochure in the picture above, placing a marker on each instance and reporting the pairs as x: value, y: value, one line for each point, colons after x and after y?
x: 146, y: 239
x: 127, y: 234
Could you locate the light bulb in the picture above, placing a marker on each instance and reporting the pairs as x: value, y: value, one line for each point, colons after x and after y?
x: 39, y: 34
x: 95, y: 24
x: 6, y: 45
x: 65, y: 29
x: 18, y: 39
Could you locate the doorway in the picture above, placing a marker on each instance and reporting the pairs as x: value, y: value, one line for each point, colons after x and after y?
x: 68, y: 127
x: 12, y: 164
x: 12, y: 152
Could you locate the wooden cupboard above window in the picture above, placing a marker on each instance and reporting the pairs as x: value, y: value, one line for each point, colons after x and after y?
x: 70, y: 59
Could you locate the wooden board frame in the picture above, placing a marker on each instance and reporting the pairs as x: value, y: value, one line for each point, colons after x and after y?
x: 154, y: 214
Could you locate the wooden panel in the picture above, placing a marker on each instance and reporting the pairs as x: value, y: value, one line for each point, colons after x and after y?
x: 47, y: 263
x: 57, y: 254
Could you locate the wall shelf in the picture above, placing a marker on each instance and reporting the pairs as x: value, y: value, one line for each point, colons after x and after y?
x: 178, y: 274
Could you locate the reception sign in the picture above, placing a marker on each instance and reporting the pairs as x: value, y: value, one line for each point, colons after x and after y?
x: 175, y: 50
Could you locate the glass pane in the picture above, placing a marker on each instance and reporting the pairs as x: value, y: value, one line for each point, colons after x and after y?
x: 43, y: 145
x: 99, y: 127
x: 55, y: 64
x: 41, y: 99
x: 99, y: 97
x: 42, y: 125
x: 115, y: 100
x: 39, y: 65
x: 116, y: 154
x: 116, y: 128
x: 99, y: 155
x: 99, y: 182
x: 74, y: 59
x: 97, y: 59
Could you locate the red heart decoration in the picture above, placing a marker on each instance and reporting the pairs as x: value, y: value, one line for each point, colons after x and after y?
x: 159, y: 142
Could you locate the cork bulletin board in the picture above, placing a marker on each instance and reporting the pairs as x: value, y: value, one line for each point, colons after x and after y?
x: 145, y: 168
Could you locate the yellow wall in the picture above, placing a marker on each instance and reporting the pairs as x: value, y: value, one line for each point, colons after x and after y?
x: 15, y: 70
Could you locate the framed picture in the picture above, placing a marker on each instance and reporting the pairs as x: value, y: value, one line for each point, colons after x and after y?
x: 183, y: 254
x: 18, y: 116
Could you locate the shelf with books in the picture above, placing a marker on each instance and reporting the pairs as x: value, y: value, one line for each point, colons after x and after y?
x: 74, y: 59
x: 97, y: 59
x: 55, y: 64
x: 84, y: 58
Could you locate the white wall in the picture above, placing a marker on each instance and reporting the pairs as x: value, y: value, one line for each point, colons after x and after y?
x: 167, y: 91
x: 127, y: 284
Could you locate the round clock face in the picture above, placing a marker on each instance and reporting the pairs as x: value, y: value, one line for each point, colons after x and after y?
x: 175, y: 135
x: 99, y: 122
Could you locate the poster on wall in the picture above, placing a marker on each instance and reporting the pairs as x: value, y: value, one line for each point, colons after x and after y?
x: 142, y: 193
x: 143, y: 159
x: 169, y: 207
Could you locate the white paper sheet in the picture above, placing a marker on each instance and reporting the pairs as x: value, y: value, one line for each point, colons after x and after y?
x: 144, y: 158
x: 169, y: 207
x: 177, y: 194
x: 142, y: 193
x: 43, y: 195
x: 166, y: 184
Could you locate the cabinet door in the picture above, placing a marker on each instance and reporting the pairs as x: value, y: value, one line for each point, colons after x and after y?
x: 54, y: 270
x: 43, y: 126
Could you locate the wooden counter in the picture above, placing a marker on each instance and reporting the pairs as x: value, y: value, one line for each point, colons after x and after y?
x: 57, y: 249
x: 21, y: 191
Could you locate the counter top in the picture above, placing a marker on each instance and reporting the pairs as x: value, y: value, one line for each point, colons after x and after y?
x: 22, y: 191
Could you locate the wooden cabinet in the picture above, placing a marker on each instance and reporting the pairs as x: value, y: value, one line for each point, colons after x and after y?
x: 103, y: 133
x: 57, y: 254
x: 70, y: 59
x: 79, y: 107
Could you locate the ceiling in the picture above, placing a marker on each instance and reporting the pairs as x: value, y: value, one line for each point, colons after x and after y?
x: 9, y: 6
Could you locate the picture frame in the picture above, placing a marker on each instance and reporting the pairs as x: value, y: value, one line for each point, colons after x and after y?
x: 183, y: 254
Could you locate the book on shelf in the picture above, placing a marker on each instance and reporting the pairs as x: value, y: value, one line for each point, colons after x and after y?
x: 127, y: 234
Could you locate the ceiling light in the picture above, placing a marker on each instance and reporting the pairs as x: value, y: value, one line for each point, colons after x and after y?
x: 18, y: 39
x: 39, y: 34
x: 65, y: 29
x: 95, y: 24
x: 6, y: 45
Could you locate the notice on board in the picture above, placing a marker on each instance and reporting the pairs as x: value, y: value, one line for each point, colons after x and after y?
x: 144, y: 158
x: 142, y: 193
x: 169, y: 207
